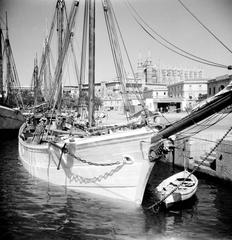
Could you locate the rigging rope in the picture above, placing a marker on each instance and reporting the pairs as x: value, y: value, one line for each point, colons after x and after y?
x: 193, y: 57
x: 208, y: 119
x: 128, y: 58
x: 111, y: 19
x: 116, y: 51
x: 204, y: 26
x: 2, y: 20
x: 164, y: 39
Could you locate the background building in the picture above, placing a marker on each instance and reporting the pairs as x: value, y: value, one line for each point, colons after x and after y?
x: 217, y: 84
x: 188, y: 92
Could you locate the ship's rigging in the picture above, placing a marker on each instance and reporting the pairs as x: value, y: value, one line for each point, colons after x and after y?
x: 65, y: 41
x: 151, y: 32
x: 95, y: 147
x: 10, y: 89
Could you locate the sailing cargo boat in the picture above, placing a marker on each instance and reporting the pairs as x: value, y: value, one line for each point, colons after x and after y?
x: 10, y: 119
x: 116, y: 164
x: 113, y: 165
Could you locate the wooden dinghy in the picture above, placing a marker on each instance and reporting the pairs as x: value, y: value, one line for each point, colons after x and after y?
x: 177, y: 188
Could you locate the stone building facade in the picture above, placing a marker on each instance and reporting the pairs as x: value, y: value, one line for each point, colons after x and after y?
x: 189, y: 92
x: 217, y: 84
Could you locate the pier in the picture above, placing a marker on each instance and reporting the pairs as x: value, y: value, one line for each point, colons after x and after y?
x: 196, y: 150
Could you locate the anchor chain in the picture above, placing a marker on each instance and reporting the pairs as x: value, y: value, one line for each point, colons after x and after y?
x: 80, y: 179
x: 64, y: 149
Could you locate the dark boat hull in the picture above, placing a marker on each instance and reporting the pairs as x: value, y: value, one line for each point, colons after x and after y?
x: 10, y: 122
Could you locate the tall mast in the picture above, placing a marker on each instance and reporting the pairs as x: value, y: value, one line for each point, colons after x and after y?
x: 91, y: 60
x: 36, y: 81
x: 8, y: 65
x: 83, y: 53
x: 1, y: 67
x: 60, y: 29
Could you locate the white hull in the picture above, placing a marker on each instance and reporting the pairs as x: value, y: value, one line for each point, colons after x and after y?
x: 125, y: 180
x: 184, y: 192
x: 10, y: 119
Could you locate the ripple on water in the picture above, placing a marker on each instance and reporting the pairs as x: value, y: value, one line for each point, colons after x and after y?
x: 32, y: 209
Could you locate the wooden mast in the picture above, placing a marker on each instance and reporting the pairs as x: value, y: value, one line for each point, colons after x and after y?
x: 83, y: 55
x: 36, y: 81
x: 8, y: 66
x: 91, y: 61
x: 1, y: 68
x: 60, y: 29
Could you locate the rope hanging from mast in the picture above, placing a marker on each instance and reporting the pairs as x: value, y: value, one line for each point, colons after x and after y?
x: 66, y: 42
x: 11, y: 79
x: 116, y: 52
x: 128, y: 58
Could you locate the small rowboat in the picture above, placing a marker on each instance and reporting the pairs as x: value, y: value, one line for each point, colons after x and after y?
x: 177, y: 188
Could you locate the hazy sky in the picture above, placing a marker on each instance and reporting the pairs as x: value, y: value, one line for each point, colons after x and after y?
x: 28, y: 20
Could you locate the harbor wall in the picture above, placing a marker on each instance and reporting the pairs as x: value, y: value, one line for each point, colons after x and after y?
x: 192, y: 153
x: 224, y: 159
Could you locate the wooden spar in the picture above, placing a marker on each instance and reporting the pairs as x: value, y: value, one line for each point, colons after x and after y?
x: 8, y: 65
x: 217, y: 104
x: 116, y: 52
x: 36, y: 82
x: 66, y: 41
x: 1, y: 67
x: 91, y: 60
x: 60, y: 29
x: 83, y: 53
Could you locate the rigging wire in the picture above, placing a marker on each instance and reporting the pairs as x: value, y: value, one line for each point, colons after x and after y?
x: 72, y: 49
x: 128, y: 58
x: 112, y: 16
x: 211, y: 141
x: 204, y: 26
x: 202, y: 129
x: 2, y: 20
x: 193, y: 58
x: 200, y: 126
x: 164, y: 39
x: 119, y: 66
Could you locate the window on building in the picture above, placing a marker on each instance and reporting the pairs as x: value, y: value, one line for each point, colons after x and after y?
x: 214, y: 90
x: 209, y: 91
x: 164, y: 93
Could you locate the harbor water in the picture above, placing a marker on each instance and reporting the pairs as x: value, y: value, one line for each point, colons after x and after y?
x: 33, y: 209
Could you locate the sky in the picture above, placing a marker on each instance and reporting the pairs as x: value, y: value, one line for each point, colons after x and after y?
x: 29, y: 22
